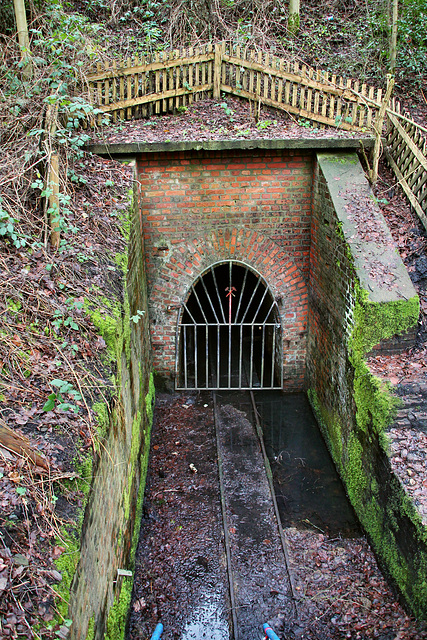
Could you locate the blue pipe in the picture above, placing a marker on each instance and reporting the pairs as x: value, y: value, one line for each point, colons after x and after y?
x: 269, y: 633
x: 157, y: 632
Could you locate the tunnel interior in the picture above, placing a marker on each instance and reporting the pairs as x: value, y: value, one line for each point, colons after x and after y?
x: 229, y: 332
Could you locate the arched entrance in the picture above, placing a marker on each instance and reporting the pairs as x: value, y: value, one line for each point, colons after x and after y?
x: 229, y: 332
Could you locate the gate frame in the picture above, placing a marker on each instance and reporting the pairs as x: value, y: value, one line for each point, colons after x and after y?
x: 277, y: 363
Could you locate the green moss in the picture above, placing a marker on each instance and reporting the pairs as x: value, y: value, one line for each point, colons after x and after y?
x: 376, y: 321
x: 121, y: 260
x: 373, y: 322
x: 118, y: 613
x: 103, y: 418
x: 67, y: 562
x: 14, y: 306
x: 107, y: 325
x: 293, y: 23
x: 117, y: 616
x: 355, y: 478
x: 375, y: 404
x: 127, y: 330
x: 67, y: 565
x: 90, y: 634
x: 112, y: 319
x: 149, y: 399
x: 133, y: 456
x: 140, y: 504
x: 354, y: 440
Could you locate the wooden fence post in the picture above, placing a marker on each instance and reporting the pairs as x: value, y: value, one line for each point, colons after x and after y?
x: 53, y: 184
x: 378, y: 127
x: 23, y: 38
x: 217, y: 71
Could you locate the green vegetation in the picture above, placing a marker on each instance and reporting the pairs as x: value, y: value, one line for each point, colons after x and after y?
x: 56, y: 399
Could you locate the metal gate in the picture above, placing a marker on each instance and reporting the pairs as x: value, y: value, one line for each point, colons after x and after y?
x: 229, y: 332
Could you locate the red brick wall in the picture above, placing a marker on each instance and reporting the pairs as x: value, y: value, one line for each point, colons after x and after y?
x: 199, y: 208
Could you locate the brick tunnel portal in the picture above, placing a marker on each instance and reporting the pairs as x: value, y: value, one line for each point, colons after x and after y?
x: 268, y: 218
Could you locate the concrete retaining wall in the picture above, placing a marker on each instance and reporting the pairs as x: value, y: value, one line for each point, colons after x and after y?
x: 99, y: 596
x: 360, y: 296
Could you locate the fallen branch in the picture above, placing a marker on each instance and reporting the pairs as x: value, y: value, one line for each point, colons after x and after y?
x: 20, y: 445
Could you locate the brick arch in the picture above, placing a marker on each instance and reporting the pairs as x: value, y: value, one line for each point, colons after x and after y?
x: 188, y: 261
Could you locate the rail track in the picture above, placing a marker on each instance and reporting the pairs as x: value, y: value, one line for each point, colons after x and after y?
x: 260, y: 580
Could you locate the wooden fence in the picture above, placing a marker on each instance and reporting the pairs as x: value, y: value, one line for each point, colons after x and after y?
x: 406, y: 151
x: 168, y: 81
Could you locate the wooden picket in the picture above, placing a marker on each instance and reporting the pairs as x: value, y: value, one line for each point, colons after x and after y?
x: 168, y: 81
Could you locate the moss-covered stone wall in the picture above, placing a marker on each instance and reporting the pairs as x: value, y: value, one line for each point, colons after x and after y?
x: 100, y: 590
x: 361, y: 296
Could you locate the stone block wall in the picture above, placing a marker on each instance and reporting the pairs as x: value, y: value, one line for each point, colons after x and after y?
x: 202, y: 207
x: 99, y: 596
x: 361, y: 295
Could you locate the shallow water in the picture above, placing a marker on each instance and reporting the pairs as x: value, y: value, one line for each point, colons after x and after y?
x: 308, y: 489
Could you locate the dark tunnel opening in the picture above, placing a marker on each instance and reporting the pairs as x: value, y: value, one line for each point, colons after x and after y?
x: 229, y: 332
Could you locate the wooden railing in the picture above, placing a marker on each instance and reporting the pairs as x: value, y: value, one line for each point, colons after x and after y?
x: 169, y: 81
x: 406, y: 153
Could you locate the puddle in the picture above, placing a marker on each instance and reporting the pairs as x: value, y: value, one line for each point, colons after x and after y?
x: 308, y: 489
x: 207, y: 620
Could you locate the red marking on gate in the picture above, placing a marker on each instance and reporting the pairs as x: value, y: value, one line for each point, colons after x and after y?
x: 229, y: 295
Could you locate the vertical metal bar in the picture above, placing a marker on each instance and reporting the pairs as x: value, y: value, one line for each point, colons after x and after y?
x: 195, y: 357
x: 217, y: 293
x: 252, y: 357
x: 229, y: 355
x: 241, y: 295
x: 262, y: 356
x: 185, y: 356
x: 281, y: 356
x: 230, y: 284
x: 273, y: 356
x: 240, y: 356
x: 218, y: 372
x: 207, y: 357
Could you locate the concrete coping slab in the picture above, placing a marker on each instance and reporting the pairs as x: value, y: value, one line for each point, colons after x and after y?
x: 378, y: 264
x: 132, y: 149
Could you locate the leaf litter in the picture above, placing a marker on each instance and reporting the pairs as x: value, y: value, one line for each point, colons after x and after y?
x: 54, y: 365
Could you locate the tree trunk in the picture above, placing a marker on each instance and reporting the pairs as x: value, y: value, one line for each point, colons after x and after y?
x: 393, y: 36
x: 293, y: 19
